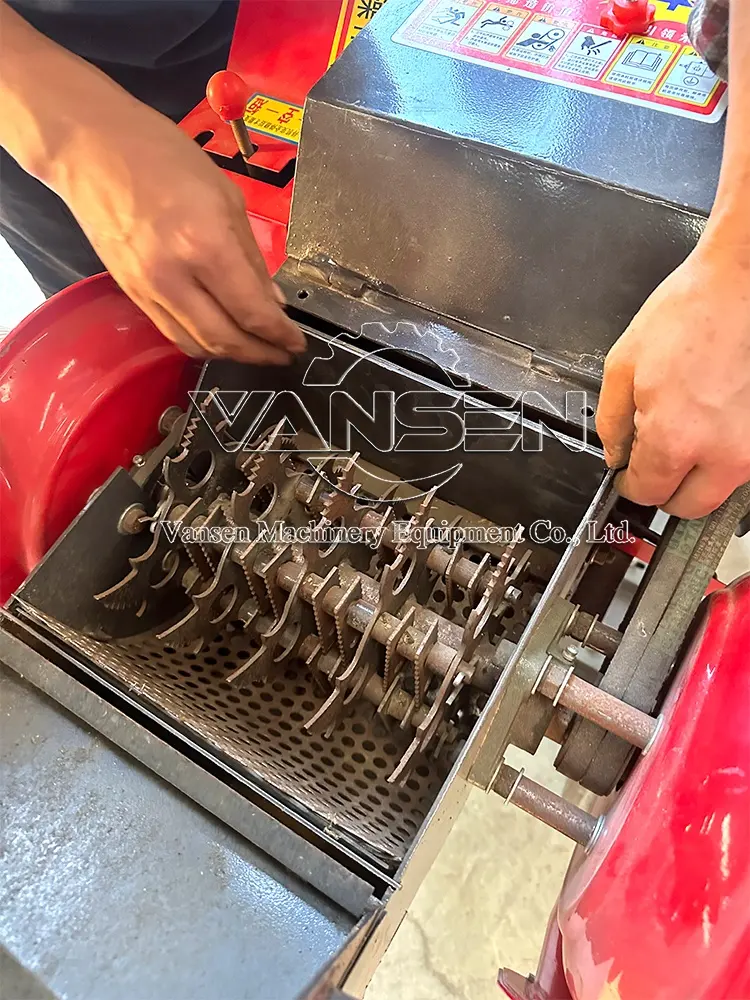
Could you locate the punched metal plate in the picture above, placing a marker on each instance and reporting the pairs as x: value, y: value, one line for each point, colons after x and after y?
x: 258, y: 728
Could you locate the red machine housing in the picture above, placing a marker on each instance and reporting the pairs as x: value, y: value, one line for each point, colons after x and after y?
x: 73, y: 409
x: 661, y: 907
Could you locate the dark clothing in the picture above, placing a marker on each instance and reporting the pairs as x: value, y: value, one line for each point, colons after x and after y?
x: 709, y: 33
x: 40, y: 229
x: 161, y: 51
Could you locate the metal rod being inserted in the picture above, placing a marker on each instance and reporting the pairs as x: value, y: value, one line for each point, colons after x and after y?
x: 595, y: 634
x: 551, y: 809
x: 592, y: 703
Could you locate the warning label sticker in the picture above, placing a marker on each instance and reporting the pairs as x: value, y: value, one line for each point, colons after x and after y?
x: 448, y: 19
x: 494, y: 29
x: 690, y: 80
x: 563, y: 43
x: 273, y: 117
x: 587, y: 55
x: 640, y: 64
x: 539, y: 40
x: 353, y: 17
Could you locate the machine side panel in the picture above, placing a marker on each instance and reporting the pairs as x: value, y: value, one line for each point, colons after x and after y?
x: 73, y: 408
x: 637, y: 148
x: 115, y: 885
x: 551, y: 260
x: 661, y: 907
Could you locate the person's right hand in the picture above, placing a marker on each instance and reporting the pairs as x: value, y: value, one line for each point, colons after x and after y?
x: 675, y: 400
x: 172, y: 230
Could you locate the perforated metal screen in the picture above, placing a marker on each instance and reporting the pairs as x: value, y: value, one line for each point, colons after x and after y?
x: 259, y: 727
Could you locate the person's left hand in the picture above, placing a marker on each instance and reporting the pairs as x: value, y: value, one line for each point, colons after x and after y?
x: 675, y: 400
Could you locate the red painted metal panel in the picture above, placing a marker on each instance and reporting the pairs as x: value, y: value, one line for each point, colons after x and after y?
x: 73, y: 407
x: 280, y: 48
x: 661, y: 908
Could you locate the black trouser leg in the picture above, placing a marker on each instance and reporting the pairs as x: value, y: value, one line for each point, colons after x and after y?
x: 42, y: 231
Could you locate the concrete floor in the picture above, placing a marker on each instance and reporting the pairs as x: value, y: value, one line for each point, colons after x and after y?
x: 484, y: 904
x: 486, y: 901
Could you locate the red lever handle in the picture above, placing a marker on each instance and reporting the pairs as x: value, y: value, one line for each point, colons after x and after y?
x: 628, y: 17
x: 228, y: 94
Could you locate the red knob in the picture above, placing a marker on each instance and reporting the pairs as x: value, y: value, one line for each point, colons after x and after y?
x: 628, y: 17
x: 228, y: 94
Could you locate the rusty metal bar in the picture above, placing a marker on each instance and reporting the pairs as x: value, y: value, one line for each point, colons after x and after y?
x: 440, y: 657
x: 588, y: 630
x: 596, y: 705
x: 462, y: 573
x: 552, y: 809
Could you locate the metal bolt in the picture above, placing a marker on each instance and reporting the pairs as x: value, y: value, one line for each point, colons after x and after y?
x: 570, y: 653
x: 132, y: 520
x: 138, y: 461
x: 513, y: 594
x: 168, y: 419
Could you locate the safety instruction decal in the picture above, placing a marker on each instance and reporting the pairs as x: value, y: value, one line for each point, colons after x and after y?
x: 353, y: 17
x: 563, y: 43
x: 273, y: 117
x: 282, y: 120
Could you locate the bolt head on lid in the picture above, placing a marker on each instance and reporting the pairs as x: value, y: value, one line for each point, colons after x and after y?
x: 228, y: 94
x: 570, y: 653
x: 628, y: 17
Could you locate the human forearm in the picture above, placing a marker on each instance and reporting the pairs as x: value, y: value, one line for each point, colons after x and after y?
x: 49, y: 100
x: 675, y: 400
x: 166, y: 222
x: 728, y: 229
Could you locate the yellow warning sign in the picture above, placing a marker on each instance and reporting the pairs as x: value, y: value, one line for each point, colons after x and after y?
x: 690, y: 80
x: 273, y: 117
x: 353, y: 17
x: 641, y: 63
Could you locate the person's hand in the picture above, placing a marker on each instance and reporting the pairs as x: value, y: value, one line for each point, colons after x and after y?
x: 675, y: 400
x: 171, y: 229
